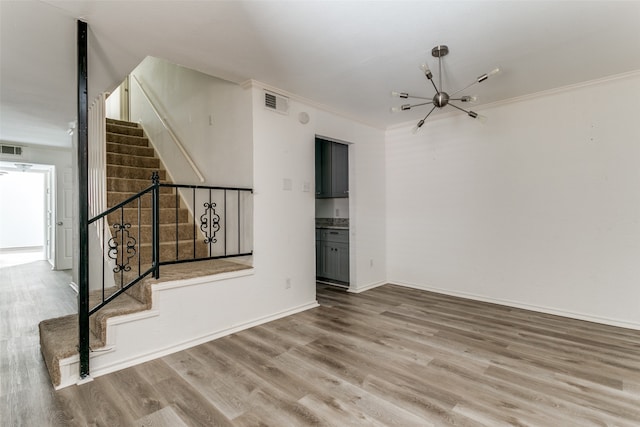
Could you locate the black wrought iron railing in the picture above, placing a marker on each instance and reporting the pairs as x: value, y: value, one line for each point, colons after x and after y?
x: 166, y: 224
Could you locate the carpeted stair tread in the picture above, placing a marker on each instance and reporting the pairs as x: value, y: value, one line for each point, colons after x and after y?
x: 130, y: 172
x: 133, y: 160
x: 166, y: 200
x: 167, y: 215
x: 124, y: 130
x: 133, y: 185
x: 191, y: 270
x: 121, y: 123
x: 59, y: 340
x: 140, y: 141
x: 121, y: 305
x: 136, y: 150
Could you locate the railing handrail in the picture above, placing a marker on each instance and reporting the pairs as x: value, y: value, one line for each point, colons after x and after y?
x: 146, y: 190
x: 121, y: 204
x: 154, y: 189
x: 176, y: 140
x: 206, y: 187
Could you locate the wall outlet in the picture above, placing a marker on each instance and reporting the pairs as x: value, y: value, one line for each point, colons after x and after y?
x: 287, y: 283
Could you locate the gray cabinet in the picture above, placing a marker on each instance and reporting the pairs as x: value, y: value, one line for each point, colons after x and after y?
x: 332, y: 169
x: 332, y: 256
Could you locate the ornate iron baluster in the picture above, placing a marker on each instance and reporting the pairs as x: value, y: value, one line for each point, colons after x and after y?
x: 210, y: 225
x: 128, y: 244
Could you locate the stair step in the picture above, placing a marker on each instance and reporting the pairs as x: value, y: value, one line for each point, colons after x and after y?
x: 128, y: 172
x: 185, y: 231
x: 59, y: 336
x: 139, y: 258
x: 131, y: 160
x: 121, y: 122
x: 59, y: 340
x: 130, y: 215
x: 134, y: 150
x: 125, y: 130
x: 166, y: 200
x: 133, y: 185
x: 121, y: 305
x: 127, y: 139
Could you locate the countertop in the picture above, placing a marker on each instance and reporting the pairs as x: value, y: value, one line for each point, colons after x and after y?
x: 331, y: 227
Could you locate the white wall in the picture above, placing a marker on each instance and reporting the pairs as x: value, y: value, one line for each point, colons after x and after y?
x: 208, y: 116
x: 538, y: 208
x: 285, y: 220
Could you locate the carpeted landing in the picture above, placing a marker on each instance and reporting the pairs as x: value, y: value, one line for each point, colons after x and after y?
x: 59, y: 336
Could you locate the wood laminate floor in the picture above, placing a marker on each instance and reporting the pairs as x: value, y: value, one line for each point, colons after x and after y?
x: 389, y: 356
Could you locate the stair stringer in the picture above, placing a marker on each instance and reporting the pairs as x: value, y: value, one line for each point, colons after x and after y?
x: 184, y: 313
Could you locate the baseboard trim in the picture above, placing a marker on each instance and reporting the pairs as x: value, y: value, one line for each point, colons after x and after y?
x: 530, y: 307
x: 366, y: 287
x: 127, y: 363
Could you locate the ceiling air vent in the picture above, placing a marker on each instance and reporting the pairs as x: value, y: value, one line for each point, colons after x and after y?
x: 11, y: 150
x: 276, y: 103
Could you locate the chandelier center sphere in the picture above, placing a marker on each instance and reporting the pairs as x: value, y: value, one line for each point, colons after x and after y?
x: 441, y: 99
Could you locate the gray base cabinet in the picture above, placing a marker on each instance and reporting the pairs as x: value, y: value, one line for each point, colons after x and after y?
x: 332, y: 255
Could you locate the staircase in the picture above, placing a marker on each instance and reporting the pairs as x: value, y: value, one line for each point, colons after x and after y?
x: 130, y: 164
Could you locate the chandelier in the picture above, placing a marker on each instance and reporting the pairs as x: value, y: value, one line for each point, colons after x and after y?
x: 441, y: 99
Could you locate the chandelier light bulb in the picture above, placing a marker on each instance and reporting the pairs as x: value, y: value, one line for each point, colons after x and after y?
x: 400, y: 94
x: 470, y: 99
x: 479, y: 117
x: 401, y: 108
x: 493, y: 72
x: 427, y: 71
x: 417, y: 126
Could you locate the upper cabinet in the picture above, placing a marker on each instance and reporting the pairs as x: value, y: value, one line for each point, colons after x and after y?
x: 332, y: 169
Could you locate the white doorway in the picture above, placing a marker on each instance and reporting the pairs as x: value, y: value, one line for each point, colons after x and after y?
x: 33, y: 218
x: 23, y: 228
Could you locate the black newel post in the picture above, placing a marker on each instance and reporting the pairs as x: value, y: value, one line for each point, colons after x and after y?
x: 155, y: 179
x: 83, y: 202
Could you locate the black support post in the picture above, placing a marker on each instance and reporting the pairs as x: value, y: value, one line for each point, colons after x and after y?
x: 83, y: 201
x: 155, y: 204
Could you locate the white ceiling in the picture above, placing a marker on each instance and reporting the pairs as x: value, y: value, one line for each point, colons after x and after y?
x: 348, y: 55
